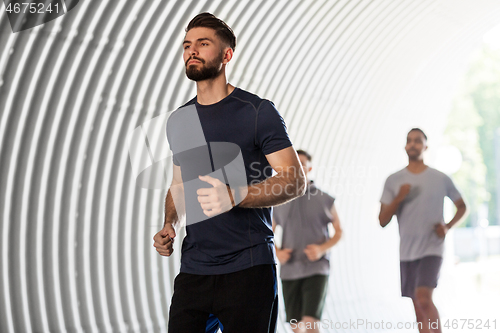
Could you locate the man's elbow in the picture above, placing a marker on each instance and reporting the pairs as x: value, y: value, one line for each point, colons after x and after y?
x: 466, y: 210
x: 383, y: 222
x: 338, y: 233
x: 299, y: 184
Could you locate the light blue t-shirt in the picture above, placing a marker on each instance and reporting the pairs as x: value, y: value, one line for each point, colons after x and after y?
x: 421, y: 210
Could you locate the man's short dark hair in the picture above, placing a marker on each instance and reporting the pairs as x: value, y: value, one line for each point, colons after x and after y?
x: 305, y: 153
x: 222, y: 30
x: 418, y: 130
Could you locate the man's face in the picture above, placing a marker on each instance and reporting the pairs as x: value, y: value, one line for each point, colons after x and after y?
x: 203, y: 54
x: 306, y: 164
x: 415, y: 145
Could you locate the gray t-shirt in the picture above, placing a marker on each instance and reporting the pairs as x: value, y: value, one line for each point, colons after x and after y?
x: 421, y: 210
x: 304, y: 221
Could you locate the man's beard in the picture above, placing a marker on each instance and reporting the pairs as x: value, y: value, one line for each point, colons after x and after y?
x: 413, y: 155
x: 207, y: 72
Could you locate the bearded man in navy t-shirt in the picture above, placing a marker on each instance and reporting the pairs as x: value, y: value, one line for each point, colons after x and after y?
x: 226, y: 142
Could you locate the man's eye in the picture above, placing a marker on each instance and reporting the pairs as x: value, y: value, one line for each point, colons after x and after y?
x: 186, y: 47
x: 204, y: 44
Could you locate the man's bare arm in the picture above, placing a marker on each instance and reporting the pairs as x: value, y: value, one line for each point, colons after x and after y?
x: 174, y: 201
x: 174, y: 208
x: 282, y: 254
x: 387, y: 211
x: 289, y: 182
x: 442, y: 228
x: 315, y: 252
x: 170, y: 211
x: 460, y: 214
x: 338, y: 230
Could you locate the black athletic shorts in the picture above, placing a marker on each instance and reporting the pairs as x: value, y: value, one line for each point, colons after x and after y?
x: 243, y: 301
x: 305, y: 297
x: 422, y: 272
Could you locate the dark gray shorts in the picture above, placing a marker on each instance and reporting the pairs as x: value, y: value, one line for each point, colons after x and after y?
x: 422, y: 272
x: 305, y: 297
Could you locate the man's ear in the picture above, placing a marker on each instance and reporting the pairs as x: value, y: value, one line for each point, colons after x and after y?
x: 228, y: 55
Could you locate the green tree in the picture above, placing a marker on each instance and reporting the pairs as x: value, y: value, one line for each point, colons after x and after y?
x: 484, y: 90
x: 462, y: 132
x: 474, y: 118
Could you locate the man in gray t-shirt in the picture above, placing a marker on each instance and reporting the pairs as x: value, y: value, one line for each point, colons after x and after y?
x: 304, y: 251
x: 416, y: 196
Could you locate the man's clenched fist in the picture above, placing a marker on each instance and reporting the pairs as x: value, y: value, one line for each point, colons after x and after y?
x: 214, y: 200
x: 164, y: 240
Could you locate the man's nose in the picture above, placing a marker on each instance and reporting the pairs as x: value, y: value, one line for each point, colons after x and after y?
x: 193, y: 50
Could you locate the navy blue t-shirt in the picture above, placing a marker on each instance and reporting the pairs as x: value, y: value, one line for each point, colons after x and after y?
x: 211, y: 139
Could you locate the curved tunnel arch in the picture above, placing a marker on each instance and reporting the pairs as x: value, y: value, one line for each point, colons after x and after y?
x: 349, y: 77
